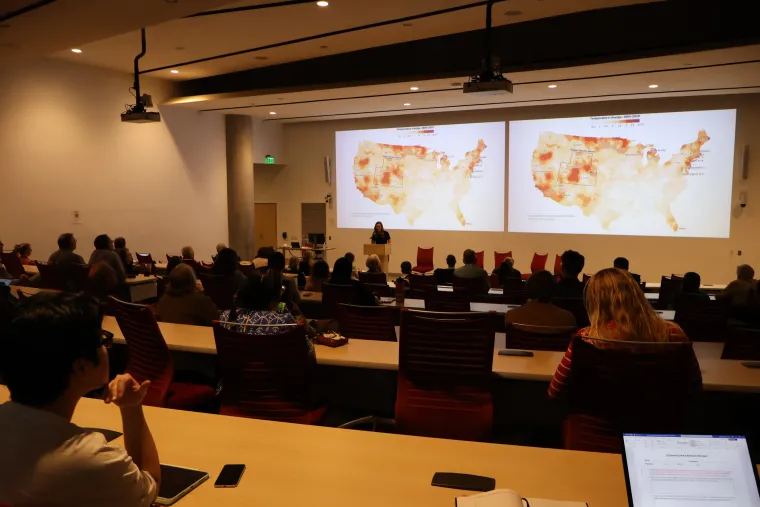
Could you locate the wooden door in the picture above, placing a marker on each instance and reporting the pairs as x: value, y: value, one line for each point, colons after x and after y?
x: 264, y: 225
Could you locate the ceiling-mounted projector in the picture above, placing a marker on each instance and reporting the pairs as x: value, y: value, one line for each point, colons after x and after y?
x: 490, y: 81
x: 497, y: 87
x: 138, y: 113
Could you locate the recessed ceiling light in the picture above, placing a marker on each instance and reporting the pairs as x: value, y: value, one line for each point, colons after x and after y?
x: 513, y: 13
x: 414, y: 88
x: 174, y: 71
x: 76, y: 50
x: 272, y: 112
x: 261, y: 57
x: 407, y: 104
x: 552, y: 86
x: 654, y: 86
x: 322, y: 3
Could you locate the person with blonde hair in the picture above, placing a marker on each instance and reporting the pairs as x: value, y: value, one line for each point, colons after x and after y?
x: 373, y: 264
x: 24, y: 252
x: 188, y: 253
x: 619, y: 312
x: 307, y: 260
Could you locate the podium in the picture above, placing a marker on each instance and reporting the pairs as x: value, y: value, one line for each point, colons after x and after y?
x: 382, y: 251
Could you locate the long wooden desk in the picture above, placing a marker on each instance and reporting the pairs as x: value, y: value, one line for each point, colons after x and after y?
x: 717, y: 374
x: 140, y: 288
x: 292, y: 464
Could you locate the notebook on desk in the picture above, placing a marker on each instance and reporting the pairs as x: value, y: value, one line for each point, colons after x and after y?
x: 509, y: 498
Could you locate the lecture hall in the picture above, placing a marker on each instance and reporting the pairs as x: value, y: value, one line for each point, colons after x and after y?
x: 494, y: 253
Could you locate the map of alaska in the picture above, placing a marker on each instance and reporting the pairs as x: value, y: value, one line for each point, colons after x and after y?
x: 415, y: 180
x: 609, y: 177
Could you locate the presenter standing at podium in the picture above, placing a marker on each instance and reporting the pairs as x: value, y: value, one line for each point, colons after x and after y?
x: 380, y: 236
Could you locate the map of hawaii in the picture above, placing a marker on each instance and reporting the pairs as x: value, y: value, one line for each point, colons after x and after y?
x: 414, y: 180
x: 609, y: 177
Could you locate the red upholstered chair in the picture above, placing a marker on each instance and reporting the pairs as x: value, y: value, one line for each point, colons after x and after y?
x: 444, y: 301
x: 220, y: 289
x: 367, y: 322
x: 12, y: 264
x: 498, y: 258
x: 333, y: 295
x: 266, y: 376
x: 577, y: 307
x: 702, y: 319
x: 493, y: 281
x: 527, y: 337
x: 557, y: 265
x: 480, y: 259
x: 419, y: 285
x: 373, y: 278
x: 668, y: 287
x: 424, y: 260
x: 614, y: 391
x: 149, y: 358
x: 742, y: 344
x: 444, y: 375
x: 586, y: 278
x: 51, y: 277
x: 539, y: 262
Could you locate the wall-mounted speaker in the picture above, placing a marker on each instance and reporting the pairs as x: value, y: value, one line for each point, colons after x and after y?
x: 328, y: 171
x: 745, y: 162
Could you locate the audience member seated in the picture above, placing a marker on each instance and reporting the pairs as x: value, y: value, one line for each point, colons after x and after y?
x: 172, y: 262
x: 740, y: 292
x: 292, y: 269
x: 182, y: 303
x: 307, y: 259
x: 24, y: 252
x: 622, y: 263
x: 120, y: 247
x: 290, y: 296
x: 507, y: 270
x: 65, y: 260
x: 320, y: 273
x: 226, y: 265
x: 219, y: 248
x: 569, y: 286
x: 261, y: 261
x: 470, y: 270
x: 445, y: 276
x: 539, y: 310
x: 690, y: 286
x: 104, y: 253
x: 188, y: 253
x: 619, y: 312
x: 406, y: 270
x: 451, y: 262
x: 46, y: 460
x: 341, y: 275
x: 373, y: 264
x: 354, y: 271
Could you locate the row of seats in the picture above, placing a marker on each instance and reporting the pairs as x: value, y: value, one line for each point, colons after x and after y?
x: 425, y: 260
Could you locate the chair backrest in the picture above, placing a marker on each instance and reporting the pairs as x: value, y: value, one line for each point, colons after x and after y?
x: 52, y: 278
x: 12, y: 264
x: 586, y: 278
x: 499, y: 257
x: 702, y: 319
x: 557, y: 265
x: 197, y: 267
x: 367, y: 322
x: 742, y: 344
x: 207, y: 265
x: 539, y: 262
x: 333, y: 295
x: 632, y: 388
x: 493, y: 281
x: 528, y: 337
x: 443, y: 276
x: 419, y: 284
x: 367, y: 277
x: 265, y: 376
x: 668, y: 287
x: 220, y: 289
x: 480, y: 259
x: 425, y: 257
x: 515, y: 291
x: 148, y: 356
x: 470, y: 286
x: 381, y: 289
x: 440, y: 301
x: 577, y: 307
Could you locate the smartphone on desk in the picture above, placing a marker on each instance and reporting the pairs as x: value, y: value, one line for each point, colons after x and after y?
x: 229, y: 476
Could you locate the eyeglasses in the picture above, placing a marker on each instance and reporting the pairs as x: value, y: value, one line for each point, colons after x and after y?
x: 106, y: 339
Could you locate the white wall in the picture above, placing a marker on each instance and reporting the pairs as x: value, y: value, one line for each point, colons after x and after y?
x: 64, y: 148
x: 302, y: 180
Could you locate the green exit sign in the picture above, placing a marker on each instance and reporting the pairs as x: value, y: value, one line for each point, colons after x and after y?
x: 269, y: 159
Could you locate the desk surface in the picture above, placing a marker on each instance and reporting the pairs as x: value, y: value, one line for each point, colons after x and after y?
x: 304, y: 248
x: 718, y: 375
x: 705, y: 287
x: 292, y: 464
x: 139, y: 279
x: 31, y: 270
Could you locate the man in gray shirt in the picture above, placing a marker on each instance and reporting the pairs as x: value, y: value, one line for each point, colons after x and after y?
x: 64, y: 257
x: 105, y: 253
x: 470, y: 270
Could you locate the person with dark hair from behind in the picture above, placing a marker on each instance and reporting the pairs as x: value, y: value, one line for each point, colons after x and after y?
x: 182, y: 303
x: 341, y: 275
x: 470, y: 270
x: 507, y: 271
x: 742, y: 295
x: 354, y: 271
x: 120, y: 247
x: 320, y: 273
x: 406, y: 270
x: 451, y: 262
x: 226, y: 265
x: 622, y: 263
x: 261, y: 260
x: 445, y: 276
x: 104, y: 253
x: 290, y: 295
x: 258, y: 309
x: 65, y: 260
x: 53, y: 354
x: 24, y: 252
x: 572, y: 266
x: 539, y: 310
x: 690, y: 288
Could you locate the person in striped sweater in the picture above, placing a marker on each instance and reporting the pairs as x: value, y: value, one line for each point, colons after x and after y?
x: 619, y: 312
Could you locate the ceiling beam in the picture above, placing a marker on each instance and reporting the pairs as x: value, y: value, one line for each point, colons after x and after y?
x: 23, y: 10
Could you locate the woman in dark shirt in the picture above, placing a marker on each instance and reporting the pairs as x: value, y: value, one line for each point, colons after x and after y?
x: 341, y: 275
x: 380, y: 236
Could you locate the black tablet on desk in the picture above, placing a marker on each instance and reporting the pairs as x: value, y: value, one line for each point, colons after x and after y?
x: 177, y: 482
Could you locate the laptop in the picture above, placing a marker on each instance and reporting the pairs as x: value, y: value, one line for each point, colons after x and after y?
x: 689, y: 471
x: 295, y: 244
